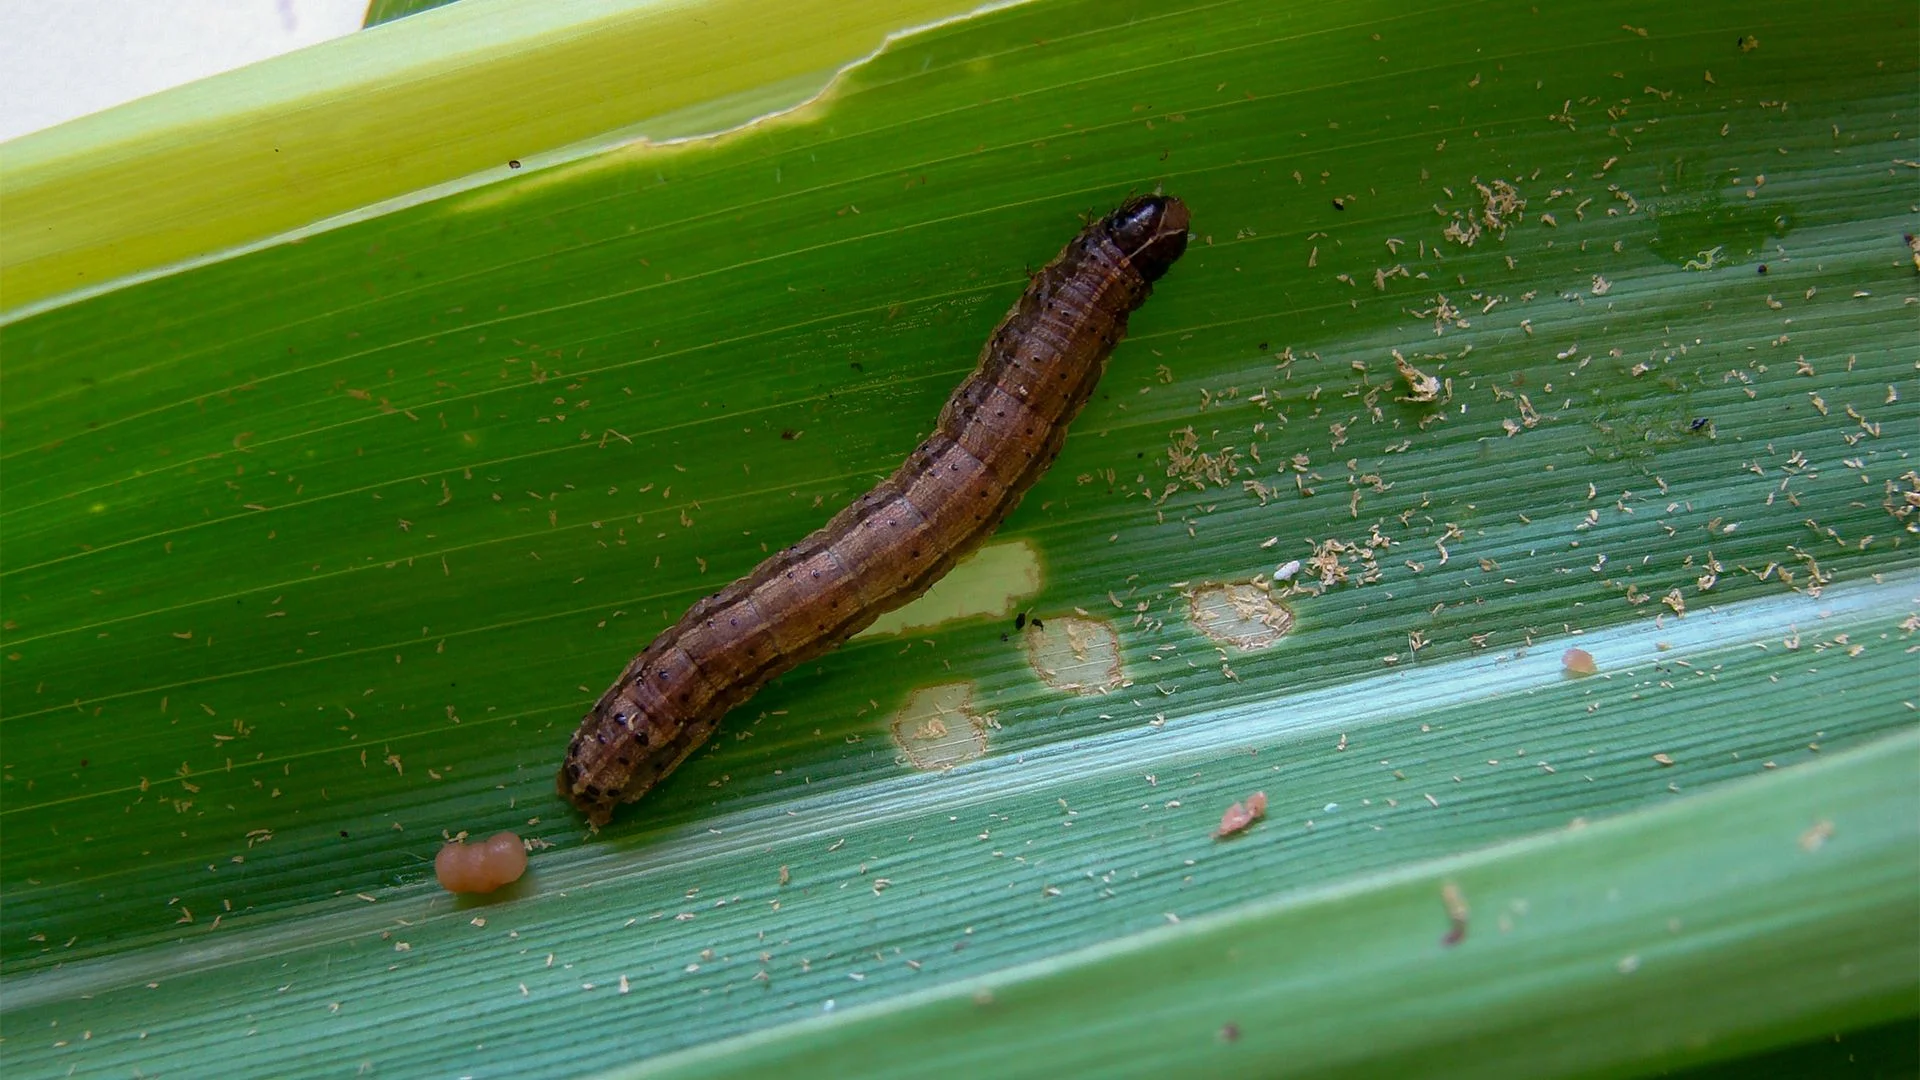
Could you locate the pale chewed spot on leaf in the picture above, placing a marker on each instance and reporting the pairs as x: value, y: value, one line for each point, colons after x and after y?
x: 939, y: 727
x: 1241, y: 615
x: 991, y: 581
x: 1079, y: 655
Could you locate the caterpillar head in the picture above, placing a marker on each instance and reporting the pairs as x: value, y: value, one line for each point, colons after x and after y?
x: 1151, y: 230
x: 611, y: 759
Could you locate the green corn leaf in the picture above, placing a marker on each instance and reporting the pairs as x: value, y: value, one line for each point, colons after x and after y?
x: 380, y: 11
x: 334, y: 488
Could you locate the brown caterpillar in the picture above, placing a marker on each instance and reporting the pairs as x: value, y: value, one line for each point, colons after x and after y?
x: 996, y: 436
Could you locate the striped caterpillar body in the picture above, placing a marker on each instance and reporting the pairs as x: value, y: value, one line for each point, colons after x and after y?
x: 996, y: 436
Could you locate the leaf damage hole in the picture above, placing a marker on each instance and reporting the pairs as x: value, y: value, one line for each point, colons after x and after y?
x: 1076, y: 654
x: 1243, y: 615
x: 939, y: 727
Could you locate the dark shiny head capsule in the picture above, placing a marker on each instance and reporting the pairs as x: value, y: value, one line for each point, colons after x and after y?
x: 1152, y: 230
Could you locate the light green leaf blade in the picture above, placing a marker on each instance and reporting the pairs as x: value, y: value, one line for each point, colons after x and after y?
x: 470, y: 95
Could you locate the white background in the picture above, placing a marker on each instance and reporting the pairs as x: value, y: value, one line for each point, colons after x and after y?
x: 65, y: 58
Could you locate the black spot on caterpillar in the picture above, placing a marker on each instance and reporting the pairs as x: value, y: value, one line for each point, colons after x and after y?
x: 995, y: 437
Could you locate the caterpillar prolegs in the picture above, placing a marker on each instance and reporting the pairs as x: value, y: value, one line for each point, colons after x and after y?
x: 997, y: 434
